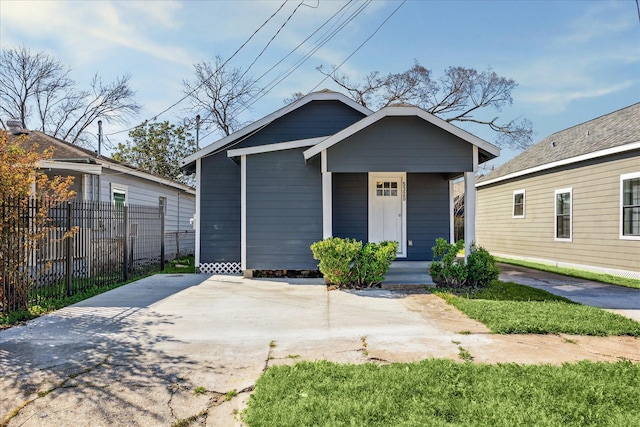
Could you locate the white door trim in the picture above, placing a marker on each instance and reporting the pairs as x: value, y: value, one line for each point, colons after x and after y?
x: 402, y: 244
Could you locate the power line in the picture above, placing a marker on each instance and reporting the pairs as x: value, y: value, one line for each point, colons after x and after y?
x: 362, y: 44
x: 211, y: 76
x: 323, y: 39
x: 273, y: 38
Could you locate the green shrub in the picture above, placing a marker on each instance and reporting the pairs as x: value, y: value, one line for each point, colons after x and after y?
x: 373, y: 262
x: 348, y: 263
x: 336, y: 258
x: 481, y: 267
x: 450, y: 271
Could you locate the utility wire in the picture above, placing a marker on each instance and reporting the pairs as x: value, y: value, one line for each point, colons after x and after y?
x: 272, y: 39
x: 362, y: 44
x: 311, y: 53
x: 323, y: 39
x: 211, y: 76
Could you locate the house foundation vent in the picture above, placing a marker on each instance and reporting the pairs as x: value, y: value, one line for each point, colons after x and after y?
x: 220, y: 268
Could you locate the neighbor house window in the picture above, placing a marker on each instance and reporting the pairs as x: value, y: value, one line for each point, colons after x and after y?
x: 518, y: 204
x: 563, y: 214
x: 630, y: 209
x: 119, y: 195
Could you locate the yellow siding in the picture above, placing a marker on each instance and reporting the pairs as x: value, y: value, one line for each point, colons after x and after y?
x: 595, y: 221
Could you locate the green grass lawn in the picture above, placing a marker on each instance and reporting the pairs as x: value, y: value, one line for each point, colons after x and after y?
x: 509, y: 308
x: 438, y: 392
x: 572, y: 272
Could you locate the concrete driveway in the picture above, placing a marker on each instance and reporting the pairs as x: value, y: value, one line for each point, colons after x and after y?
x: 619, y: 299
x: 173, y: 348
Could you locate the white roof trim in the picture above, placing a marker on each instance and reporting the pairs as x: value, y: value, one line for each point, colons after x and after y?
x: 397, y: 112
x: 256, y: 126
x: 267, y: 148
x: 89, y: 168
x: 149, y: 177
x: 570, y: 160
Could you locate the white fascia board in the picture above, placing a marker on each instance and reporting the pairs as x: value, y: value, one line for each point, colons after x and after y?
x: 257, y: 125
x: 89, y: 168
x: 267, y: 148
x: 149, y: 177
x: 399, y: 112
x: 594, y: 155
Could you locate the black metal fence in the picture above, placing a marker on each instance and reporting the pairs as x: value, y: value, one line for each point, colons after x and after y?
x: 50, y: 251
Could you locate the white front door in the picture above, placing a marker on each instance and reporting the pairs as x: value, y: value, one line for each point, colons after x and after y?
x: 387, y: 209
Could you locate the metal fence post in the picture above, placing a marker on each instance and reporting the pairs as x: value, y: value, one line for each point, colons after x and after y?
x: 125, y: 244
x: 162, y: 239
x: 69, y: 248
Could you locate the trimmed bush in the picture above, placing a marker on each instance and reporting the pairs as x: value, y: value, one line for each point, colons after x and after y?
x: 481, y: 267
x: 347, y: 263
x: 450, y: 271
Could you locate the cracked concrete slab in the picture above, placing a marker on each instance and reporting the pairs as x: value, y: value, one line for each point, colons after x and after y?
x: 167, y: 349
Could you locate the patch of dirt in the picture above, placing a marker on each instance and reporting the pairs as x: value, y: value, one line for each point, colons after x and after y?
x: 486, y: 347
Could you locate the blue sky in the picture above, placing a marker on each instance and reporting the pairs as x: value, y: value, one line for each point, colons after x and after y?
x: 572, y: 60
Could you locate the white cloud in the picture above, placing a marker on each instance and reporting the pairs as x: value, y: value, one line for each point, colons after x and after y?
x: 557, y: 101
x: 87, y: 29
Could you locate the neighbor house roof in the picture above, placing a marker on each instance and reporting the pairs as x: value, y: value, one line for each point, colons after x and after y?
x: 70, y: 156
x: 609, y: 134
x: 323, y: 95
x: 488, y: 151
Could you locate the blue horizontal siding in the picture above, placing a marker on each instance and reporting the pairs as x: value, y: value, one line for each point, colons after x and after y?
x: 317, y: 118
x: 284, y: 211
x: 427, y: 213
x: 401, y: 144
x: 219, y: 210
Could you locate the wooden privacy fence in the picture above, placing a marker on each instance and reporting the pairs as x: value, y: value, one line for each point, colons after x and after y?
x: 50, y: 251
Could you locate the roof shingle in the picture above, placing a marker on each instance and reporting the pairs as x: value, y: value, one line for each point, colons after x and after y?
x: 611, y: 130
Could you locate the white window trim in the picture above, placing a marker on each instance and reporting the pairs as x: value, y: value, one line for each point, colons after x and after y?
x: 513, y: 204
x: 121, y: 189
x: 623, y: 178
x: 555, y: 215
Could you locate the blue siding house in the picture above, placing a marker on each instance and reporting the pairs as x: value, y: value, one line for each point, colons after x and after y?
x: 326, y: 166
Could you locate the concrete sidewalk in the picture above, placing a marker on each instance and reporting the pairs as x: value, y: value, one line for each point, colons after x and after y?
x: 618, y: 299
x: 169, y: 348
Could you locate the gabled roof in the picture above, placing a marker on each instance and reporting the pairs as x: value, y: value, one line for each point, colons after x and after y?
x: 269, y: 148
x: 323, y: 95
x: 71, y: 155
x: 488, y: 151
x: 612, y: 133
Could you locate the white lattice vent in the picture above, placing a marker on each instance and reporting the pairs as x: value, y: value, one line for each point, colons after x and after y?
x: 220, y: 268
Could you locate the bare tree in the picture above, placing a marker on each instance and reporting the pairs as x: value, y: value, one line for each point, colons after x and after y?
x: 36, y: 86
x: 293, y: 98
x: 219, y: 94
x: 460, y: 95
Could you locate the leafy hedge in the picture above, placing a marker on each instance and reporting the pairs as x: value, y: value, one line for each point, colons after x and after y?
x: 479, y: 270
x: 347, y: 263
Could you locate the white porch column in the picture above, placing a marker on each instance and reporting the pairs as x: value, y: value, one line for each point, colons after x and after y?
x: 470, y: 204
x: 469, y: 210
x: 452, y: 212
x: 243, y: 212
x: 327, y: 198
x: 196, y: 217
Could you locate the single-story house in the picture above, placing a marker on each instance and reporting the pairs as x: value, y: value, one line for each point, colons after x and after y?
x: 572, y: 199
x: 326, y: 166
x: 101, y: 179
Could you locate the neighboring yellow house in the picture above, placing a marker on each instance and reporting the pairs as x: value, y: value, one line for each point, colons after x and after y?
x: 572, y: 199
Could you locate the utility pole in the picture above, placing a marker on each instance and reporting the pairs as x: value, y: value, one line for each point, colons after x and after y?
x: 198, y: 132
x: 99, y: 138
